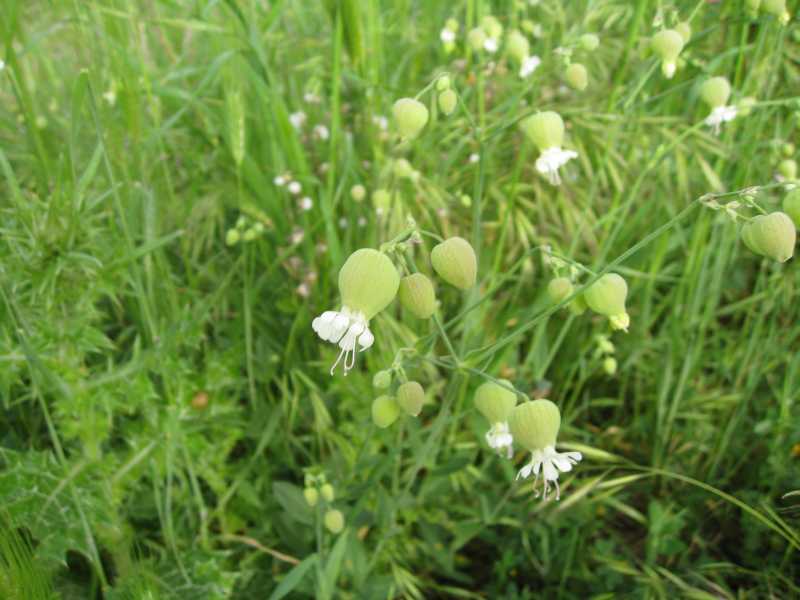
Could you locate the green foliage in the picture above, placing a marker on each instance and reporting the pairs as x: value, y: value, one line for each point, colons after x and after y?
x: 165, y: 400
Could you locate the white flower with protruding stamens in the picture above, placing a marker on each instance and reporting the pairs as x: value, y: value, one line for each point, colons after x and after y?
x: 368, y: 282
x: 529, y: 65
x: 715, y: 92
x: 535, y: 424
x: 546, y: 130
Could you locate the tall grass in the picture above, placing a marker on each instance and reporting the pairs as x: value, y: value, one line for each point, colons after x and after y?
x: 165, y: 399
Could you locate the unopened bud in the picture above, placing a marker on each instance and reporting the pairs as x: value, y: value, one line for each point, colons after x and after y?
x: 475, y: 38
x: 517, y: 46
x: 385, y: 411
x: 232, y: 237
x: 443, y: 83
x: 417, y: 295
x: 410, y: 116
x: 685, y: 30
x: 447, y: 101
x: 788, y: 169
x: 610, y: 365
x: 559, y: 288
x: 382, y: 379
x: 357, y: 192
x: 577, y: 76
x: 454, y: 261
x: 492, y: 26
x: 590, y: 42
x: 334, y: 521
x: 327, y: 492
x: 411, y: 397
x: 311, y: 495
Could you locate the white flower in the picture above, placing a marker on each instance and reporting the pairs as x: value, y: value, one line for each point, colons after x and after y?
x: 343, y: 223
x: 499, y: 438
x: 529, y: 65
x: 491, y: 45
x: 550, y: 463
x: 447, y: 36
x: 551, y: 160
x: 381, y: 121
x: 720, y: 115
x: 362, y: 221
x: 279, y: 180
x: 2, y: 64
x: 306, y: 203
x: 345, y: 328
x: 474, y: 157
x: 321, y: 132
x: 297, y: 119
x: 311, y: 98
x: 294, y: 187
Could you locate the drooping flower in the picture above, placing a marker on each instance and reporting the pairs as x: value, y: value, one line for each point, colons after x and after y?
x: 667, y: 44
x: 368, y: 282
x: 546, y: 130
x: 495, y: 402
x: 535, y: 424
x: 606, y: 296
x: 715, y: 92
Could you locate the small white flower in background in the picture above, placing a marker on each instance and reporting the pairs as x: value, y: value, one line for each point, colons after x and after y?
x: 280, y: 180
x: 297, y: 119
x: 491, y: 45
x: 474, y: 157
x: 368, y: 282
x: 294, y: 187
x: 321, y: 132
x: 715, y: 92
x: 546, y: 130
x: 343, y: 223
x: 297, y: 236
x: 311, y: 98
x: 447, y: 36
x: 381, y: 121
x: 2, y: 64
x: 362, y: 221
x: 303, y: 290
x: 495, y: 402
x: 306, y: 203
x: 529, y: 65
x: 535, y: 424
x: 110, y: 96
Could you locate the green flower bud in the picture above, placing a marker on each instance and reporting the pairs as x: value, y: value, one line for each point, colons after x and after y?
x: 358, y: 193
x: 475, y: 38
x: 411, y: 397
x: 382, y: 379
x: 771, y: 235
x: 667, y: 45
x: 791, y: 206
x: 715, y: 91
x: 334, y: 521
x: 559, y: 288
x: 606, y: 296
x: 327, y: 492
x: 381, y: 199
x: 745, y: 106
x: 788, y: 149
x: 417, y: 295
x: 517, y: 46
x: 776, y: 8
x: 685, y: 30
x: 610, y: 365
x: 311, y: 495
x: 447, y: 101
x: 578, y: 305
x: 589, y: 42
x: 443, y: 83
x: 545, y: 129
x: 250, y: 234
x: 535, y: 424
x: 788, y: 169
x: 577, y: 76
x: 232, y: 237
x: 410, y: 116
x: 368, y: 282
x: 385, y: 411
x: 494, y: 401
x: 492, y: 27
x: 451, y: 24
x: 454, y: 260
x: 403, y: 169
